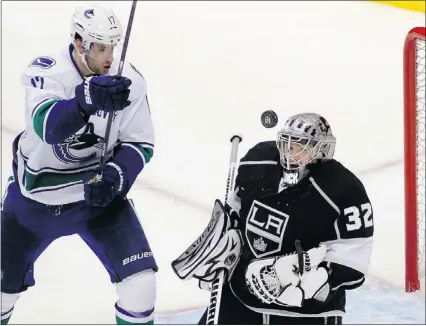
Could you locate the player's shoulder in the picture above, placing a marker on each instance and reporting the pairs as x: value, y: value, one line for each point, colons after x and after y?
x: 54, y: 65
x: 262, y: 151
x: 138, y: 89
x: 334, y: 176
x: 130, y: 71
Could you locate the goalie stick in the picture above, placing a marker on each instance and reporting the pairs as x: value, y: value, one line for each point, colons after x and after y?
x: 216, y: 289
x: 300, y: 258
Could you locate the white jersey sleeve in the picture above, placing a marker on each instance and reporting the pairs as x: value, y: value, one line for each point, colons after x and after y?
x: 137, y: 130
x: 41, y: 93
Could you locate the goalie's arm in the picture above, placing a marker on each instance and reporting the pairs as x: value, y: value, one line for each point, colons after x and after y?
x: 348, y: 255
x: 344, y: 277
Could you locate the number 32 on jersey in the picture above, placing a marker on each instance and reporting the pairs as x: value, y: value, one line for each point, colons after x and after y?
x: 359, y: 217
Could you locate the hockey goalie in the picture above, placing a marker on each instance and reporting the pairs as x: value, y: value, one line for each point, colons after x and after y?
x: 295, y: 234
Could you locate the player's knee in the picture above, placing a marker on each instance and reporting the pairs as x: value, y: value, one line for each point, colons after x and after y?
x: 136, y: 297
x: 8, y: 301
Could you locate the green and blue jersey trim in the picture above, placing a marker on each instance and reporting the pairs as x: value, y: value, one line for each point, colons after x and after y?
x: 145, y: 151
x: 120, y: 321
x: 10, y: 180
x: 40, y: 115
x: 53, y: 179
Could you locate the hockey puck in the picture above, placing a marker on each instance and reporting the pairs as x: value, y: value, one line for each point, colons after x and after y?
x: 269, y: 119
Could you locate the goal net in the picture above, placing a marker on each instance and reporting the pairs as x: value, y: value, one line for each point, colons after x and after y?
x: 414, y: 135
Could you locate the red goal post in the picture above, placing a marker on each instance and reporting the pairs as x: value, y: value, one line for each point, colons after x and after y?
x: 414, y: 157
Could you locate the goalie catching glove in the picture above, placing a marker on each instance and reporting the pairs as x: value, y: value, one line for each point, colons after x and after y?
x: 217, y: 248
x: 289, y: 280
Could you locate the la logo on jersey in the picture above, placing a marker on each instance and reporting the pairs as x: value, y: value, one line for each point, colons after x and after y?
x: 265, y: 229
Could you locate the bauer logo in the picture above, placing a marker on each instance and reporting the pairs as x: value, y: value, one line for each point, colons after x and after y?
x: 87, y: 91
x: 133, y: 258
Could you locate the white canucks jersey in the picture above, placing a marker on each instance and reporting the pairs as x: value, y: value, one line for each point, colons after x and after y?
x: 52, y: 173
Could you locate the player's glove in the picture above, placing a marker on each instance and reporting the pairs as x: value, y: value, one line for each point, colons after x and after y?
x: 107, y: 93
x: 217, y: 249
x: 279, y: 280
x: 102, y: 192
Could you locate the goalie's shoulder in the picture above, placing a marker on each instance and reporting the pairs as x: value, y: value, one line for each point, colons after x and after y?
x: 342, y: 176
x: 262, y: 153
x: 338, y: 181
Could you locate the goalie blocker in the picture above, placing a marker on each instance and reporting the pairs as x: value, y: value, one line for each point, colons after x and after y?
x: 217, y: 248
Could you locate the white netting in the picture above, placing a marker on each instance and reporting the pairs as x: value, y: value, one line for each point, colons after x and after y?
x: 271, y: 281
x: 421, y: 122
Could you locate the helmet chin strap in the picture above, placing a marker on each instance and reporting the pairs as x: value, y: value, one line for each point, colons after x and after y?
x: 83, y: 59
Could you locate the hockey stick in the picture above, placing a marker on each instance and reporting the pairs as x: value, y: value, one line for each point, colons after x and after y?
x: 300, y: 258
x: 217, y: 284
x: 102, y: 160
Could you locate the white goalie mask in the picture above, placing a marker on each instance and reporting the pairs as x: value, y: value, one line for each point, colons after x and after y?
x: 97, y: 27
x: 305, y: 139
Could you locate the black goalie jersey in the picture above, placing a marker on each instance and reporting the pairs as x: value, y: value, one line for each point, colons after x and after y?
x: 329, y: 206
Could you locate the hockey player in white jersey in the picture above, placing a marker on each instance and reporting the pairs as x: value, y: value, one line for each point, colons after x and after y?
x: 68, y: 98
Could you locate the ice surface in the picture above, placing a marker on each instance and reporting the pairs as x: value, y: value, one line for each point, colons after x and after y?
x: 212, y: 68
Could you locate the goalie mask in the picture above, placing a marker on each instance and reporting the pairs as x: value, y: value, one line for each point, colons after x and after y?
x: 305, y: 139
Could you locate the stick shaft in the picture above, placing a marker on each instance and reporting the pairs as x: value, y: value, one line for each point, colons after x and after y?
x: 217, y: 284
x: 120, y: 71
x: 215, y: 299
x: 235, y: 140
